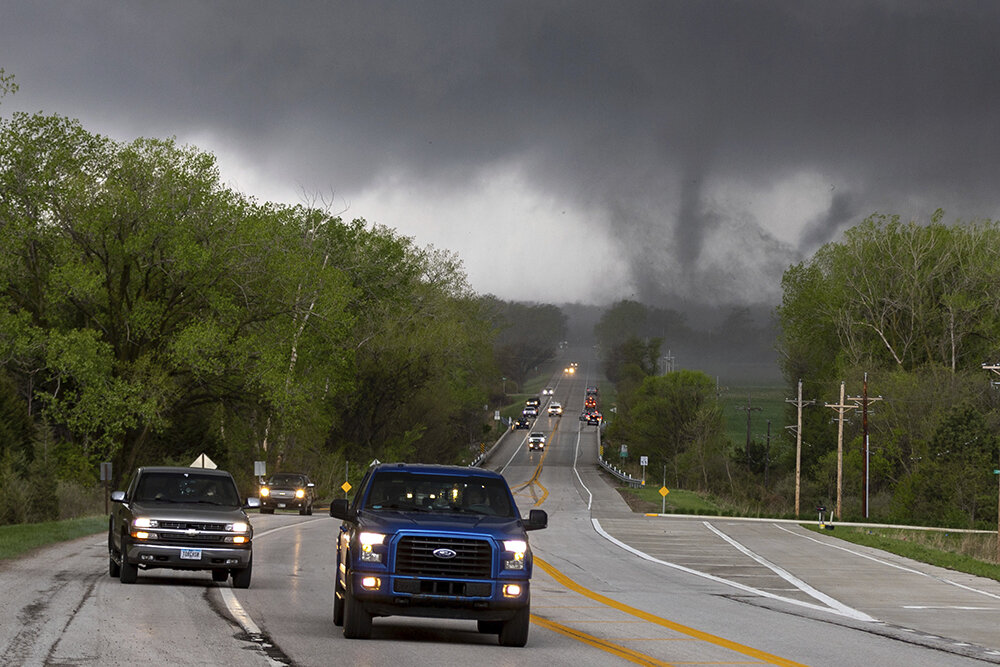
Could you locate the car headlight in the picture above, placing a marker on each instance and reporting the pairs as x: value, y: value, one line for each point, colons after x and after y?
x: 368, y: 542
x: 264, y: 492
x: 517, y: 549
x: 238, y: 527
x: 300, y: 493
x: 144, y: 522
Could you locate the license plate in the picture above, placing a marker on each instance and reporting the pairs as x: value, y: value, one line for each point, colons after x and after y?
x: 281, y: 505
x: 190, y: 554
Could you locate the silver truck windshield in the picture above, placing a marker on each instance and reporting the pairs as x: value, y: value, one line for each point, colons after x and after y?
x: 186, y: 488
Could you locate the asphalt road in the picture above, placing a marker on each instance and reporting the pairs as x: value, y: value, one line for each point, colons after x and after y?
x: 610, y: 587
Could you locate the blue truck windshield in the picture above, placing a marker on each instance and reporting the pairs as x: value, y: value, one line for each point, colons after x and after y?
x: 439, y: 493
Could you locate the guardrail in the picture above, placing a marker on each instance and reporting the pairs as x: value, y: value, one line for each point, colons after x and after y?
x: 613, y: 469
x: 610, y: 467
x: 478, y: 461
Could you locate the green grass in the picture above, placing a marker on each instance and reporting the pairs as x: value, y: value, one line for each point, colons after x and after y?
x: 19, y: 539
x: 771, y: 401
x: 962, y: 552
x: 677, y: 501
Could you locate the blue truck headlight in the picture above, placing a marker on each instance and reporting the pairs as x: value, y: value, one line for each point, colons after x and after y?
x: 517, y: 550
x: 368, y: 542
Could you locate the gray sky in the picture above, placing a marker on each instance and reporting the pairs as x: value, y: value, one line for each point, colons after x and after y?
x: 567, y: 151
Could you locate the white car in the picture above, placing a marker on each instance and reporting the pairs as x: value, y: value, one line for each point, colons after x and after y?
x: 555, y: 410
x: 536, y: 441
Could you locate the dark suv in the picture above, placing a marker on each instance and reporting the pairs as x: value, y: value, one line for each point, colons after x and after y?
x: 287, y: 490
x: 183, y: 519
x: 434, y: 541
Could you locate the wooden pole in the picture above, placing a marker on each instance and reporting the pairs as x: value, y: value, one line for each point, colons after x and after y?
x: 841, y: 408
x: 798, y: 452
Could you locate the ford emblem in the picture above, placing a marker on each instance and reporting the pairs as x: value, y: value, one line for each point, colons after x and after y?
x: 444, y: 553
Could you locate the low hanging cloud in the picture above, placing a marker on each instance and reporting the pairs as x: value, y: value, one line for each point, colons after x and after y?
x: 579, y: 151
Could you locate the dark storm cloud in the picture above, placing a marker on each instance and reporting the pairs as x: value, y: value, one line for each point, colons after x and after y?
x: 645, y: 114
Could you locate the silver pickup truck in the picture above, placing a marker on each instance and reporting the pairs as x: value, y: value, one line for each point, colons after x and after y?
x: 182, y: 519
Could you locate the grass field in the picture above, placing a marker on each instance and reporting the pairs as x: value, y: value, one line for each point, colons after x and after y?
x: 767, y: 402
x: 19, y: 539
x: 972, y: 553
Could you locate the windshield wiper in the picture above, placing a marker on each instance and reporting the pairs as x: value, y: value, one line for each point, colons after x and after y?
x: 400, y: 508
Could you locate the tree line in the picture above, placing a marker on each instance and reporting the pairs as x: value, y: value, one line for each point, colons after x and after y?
x: 912, y: 306
x: 149, y: 313
x: 916, y: 307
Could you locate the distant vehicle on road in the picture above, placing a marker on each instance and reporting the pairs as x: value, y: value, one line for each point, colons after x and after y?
x: 536, y: 440
x: 287, y: 490
x: 533, y: 402
x: 530, y: 411
x: 522, y: 422
x: 555, y: 410
x: 548, y: 391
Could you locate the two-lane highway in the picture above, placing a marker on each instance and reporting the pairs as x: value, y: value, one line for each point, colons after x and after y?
x: 610, y: 587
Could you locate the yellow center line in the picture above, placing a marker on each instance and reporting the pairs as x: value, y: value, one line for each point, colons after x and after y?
x: 657, y: 620
x: 533, y: 482
x: 603, y: 644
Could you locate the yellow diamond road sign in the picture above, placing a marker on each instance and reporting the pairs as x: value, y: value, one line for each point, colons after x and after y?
x: 664, y: 491
x: 346, y: 486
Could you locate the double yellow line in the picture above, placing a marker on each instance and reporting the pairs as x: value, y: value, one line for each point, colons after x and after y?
x: 635, y: 656
x: 618, y: 650
x: 533, y: 482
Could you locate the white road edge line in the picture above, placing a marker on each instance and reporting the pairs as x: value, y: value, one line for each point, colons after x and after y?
x: 576, y: 455
x: 860, y: 616
x: 245, y: 622
x: 240, y: 614
x: 885, y: 562
x: 792, y: 579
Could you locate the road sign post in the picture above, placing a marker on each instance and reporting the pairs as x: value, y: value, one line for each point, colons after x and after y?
x: 106, y: 480
x: 997, y: 473
x: 643, y: 461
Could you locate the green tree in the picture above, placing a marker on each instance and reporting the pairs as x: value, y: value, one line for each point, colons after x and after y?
x: 953, y: 484
x: 669, y: 416
x: 136, y: 289
x: 528, y: 335
x: 894, y: 295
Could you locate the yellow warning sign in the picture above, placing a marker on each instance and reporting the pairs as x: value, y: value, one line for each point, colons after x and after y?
x: 664, y: 491
x: 346, y: 486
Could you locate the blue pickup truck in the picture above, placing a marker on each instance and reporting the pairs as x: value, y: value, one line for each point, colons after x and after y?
x: 434, y: 541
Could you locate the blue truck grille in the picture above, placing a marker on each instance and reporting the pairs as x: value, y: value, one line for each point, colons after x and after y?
x: 415, y: 556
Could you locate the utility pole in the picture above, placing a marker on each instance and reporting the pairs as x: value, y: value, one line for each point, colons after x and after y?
x: 668, y: 363
x: 996, y: 369
x: 841, y: 408
x: 799, y: 403
x: 749, y: 412
x: 767, y: 453
x: 863, y: 402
